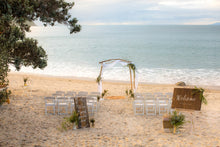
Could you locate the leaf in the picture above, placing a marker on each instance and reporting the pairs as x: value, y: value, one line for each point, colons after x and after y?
x: 201, y: 94
x: 99, y: 78
x: 177, y: 119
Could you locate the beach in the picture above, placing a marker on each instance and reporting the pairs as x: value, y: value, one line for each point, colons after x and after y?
x: 110, y: 73
x: 23, y: 122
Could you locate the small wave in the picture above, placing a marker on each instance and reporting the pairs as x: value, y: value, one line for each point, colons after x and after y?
x: 210, y: 77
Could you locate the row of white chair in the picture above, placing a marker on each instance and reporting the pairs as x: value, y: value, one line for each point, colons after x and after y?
x: 152, y: 106
x: 153, y: 95
x: 61, y: 103
x: 75, y: 94
x: 67, y: 101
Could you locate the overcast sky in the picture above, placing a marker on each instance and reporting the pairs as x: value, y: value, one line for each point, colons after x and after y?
x: 147, y: 11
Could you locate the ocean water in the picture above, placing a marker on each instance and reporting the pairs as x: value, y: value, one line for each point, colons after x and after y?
x: 162, y: 54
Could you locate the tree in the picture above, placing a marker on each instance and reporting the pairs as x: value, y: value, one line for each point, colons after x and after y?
x: 15, y: 47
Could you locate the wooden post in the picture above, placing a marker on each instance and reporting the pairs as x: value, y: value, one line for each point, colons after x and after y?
x: 100, y: 74
x: 131, y: 77
x: 101, y: 70
x: 134, y: 79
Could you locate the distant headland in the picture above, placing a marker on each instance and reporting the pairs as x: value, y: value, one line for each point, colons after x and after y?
x: 217, y: 23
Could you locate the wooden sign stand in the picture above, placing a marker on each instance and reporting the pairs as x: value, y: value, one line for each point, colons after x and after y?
x: 82, y: 111
x: 187, y: 100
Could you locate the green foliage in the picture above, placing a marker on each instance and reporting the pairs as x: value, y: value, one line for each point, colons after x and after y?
x: 99, y: 78
x: 74, y: 118
x: 92, y: 120
x: 25, y: 79
x: 201, y: 94
x: 126, y: 91
x: 15, y: 48
x: 132, y: 66
x: 4, y: 95
x: 177, y: 120
x: 69, y: 121
x: 129, y: 93
x: 104, y: 93
x: 132, y: 95
x: 3, y: 68
x: 98, y: 98
x: 66, y: 125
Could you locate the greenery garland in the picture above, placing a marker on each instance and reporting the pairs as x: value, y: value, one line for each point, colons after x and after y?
x: 104, y: 93
x: 129, y: 93
x: 201, y: 96
x: 98, y: 79
x: 132, y: 66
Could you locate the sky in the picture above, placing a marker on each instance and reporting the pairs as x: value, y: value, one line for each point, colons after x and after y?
x: 151, y: 12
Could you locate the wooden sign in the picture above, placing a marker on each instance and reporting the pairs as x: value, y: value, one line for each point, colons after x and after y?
x: 167, y: 123
x: 186, y: 98
x: 82, y: 111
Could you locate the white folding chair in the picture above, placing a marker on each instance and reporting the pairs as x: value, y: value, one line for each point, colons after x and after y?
x: 95, y: 93
x: 162, y: 96
x: 60, y: 93
x: 151, y: 106
x: 157, y: 94
x: 82, y: 93
x: 72, y: 104
x: 169, y: 94
x: 163, y: 105
x: 50, y: 102
x: 138, y: 95
x: 57, y: 95
x: 90, y: 105
x: 138, y: 106
x: 62, y: 103
x: 93, y: 99
x: 148, y: 95
x: 70, y: 93
x: 170, y: 104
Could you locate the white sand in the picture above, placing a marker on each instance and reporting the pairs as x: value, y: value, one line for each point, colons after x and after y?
x: 24, y: 123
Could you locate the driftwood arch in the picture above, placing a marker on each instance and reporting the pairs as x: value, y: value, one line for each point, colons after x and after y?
x: 111, y: 63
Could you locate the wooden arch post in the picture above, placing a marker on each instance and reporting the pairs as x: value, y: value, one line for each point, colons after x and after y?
x: 131, y: 77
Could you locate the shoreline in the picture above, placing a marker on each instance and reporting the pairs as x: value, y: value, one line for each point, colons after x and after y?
x: 208, y: 87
